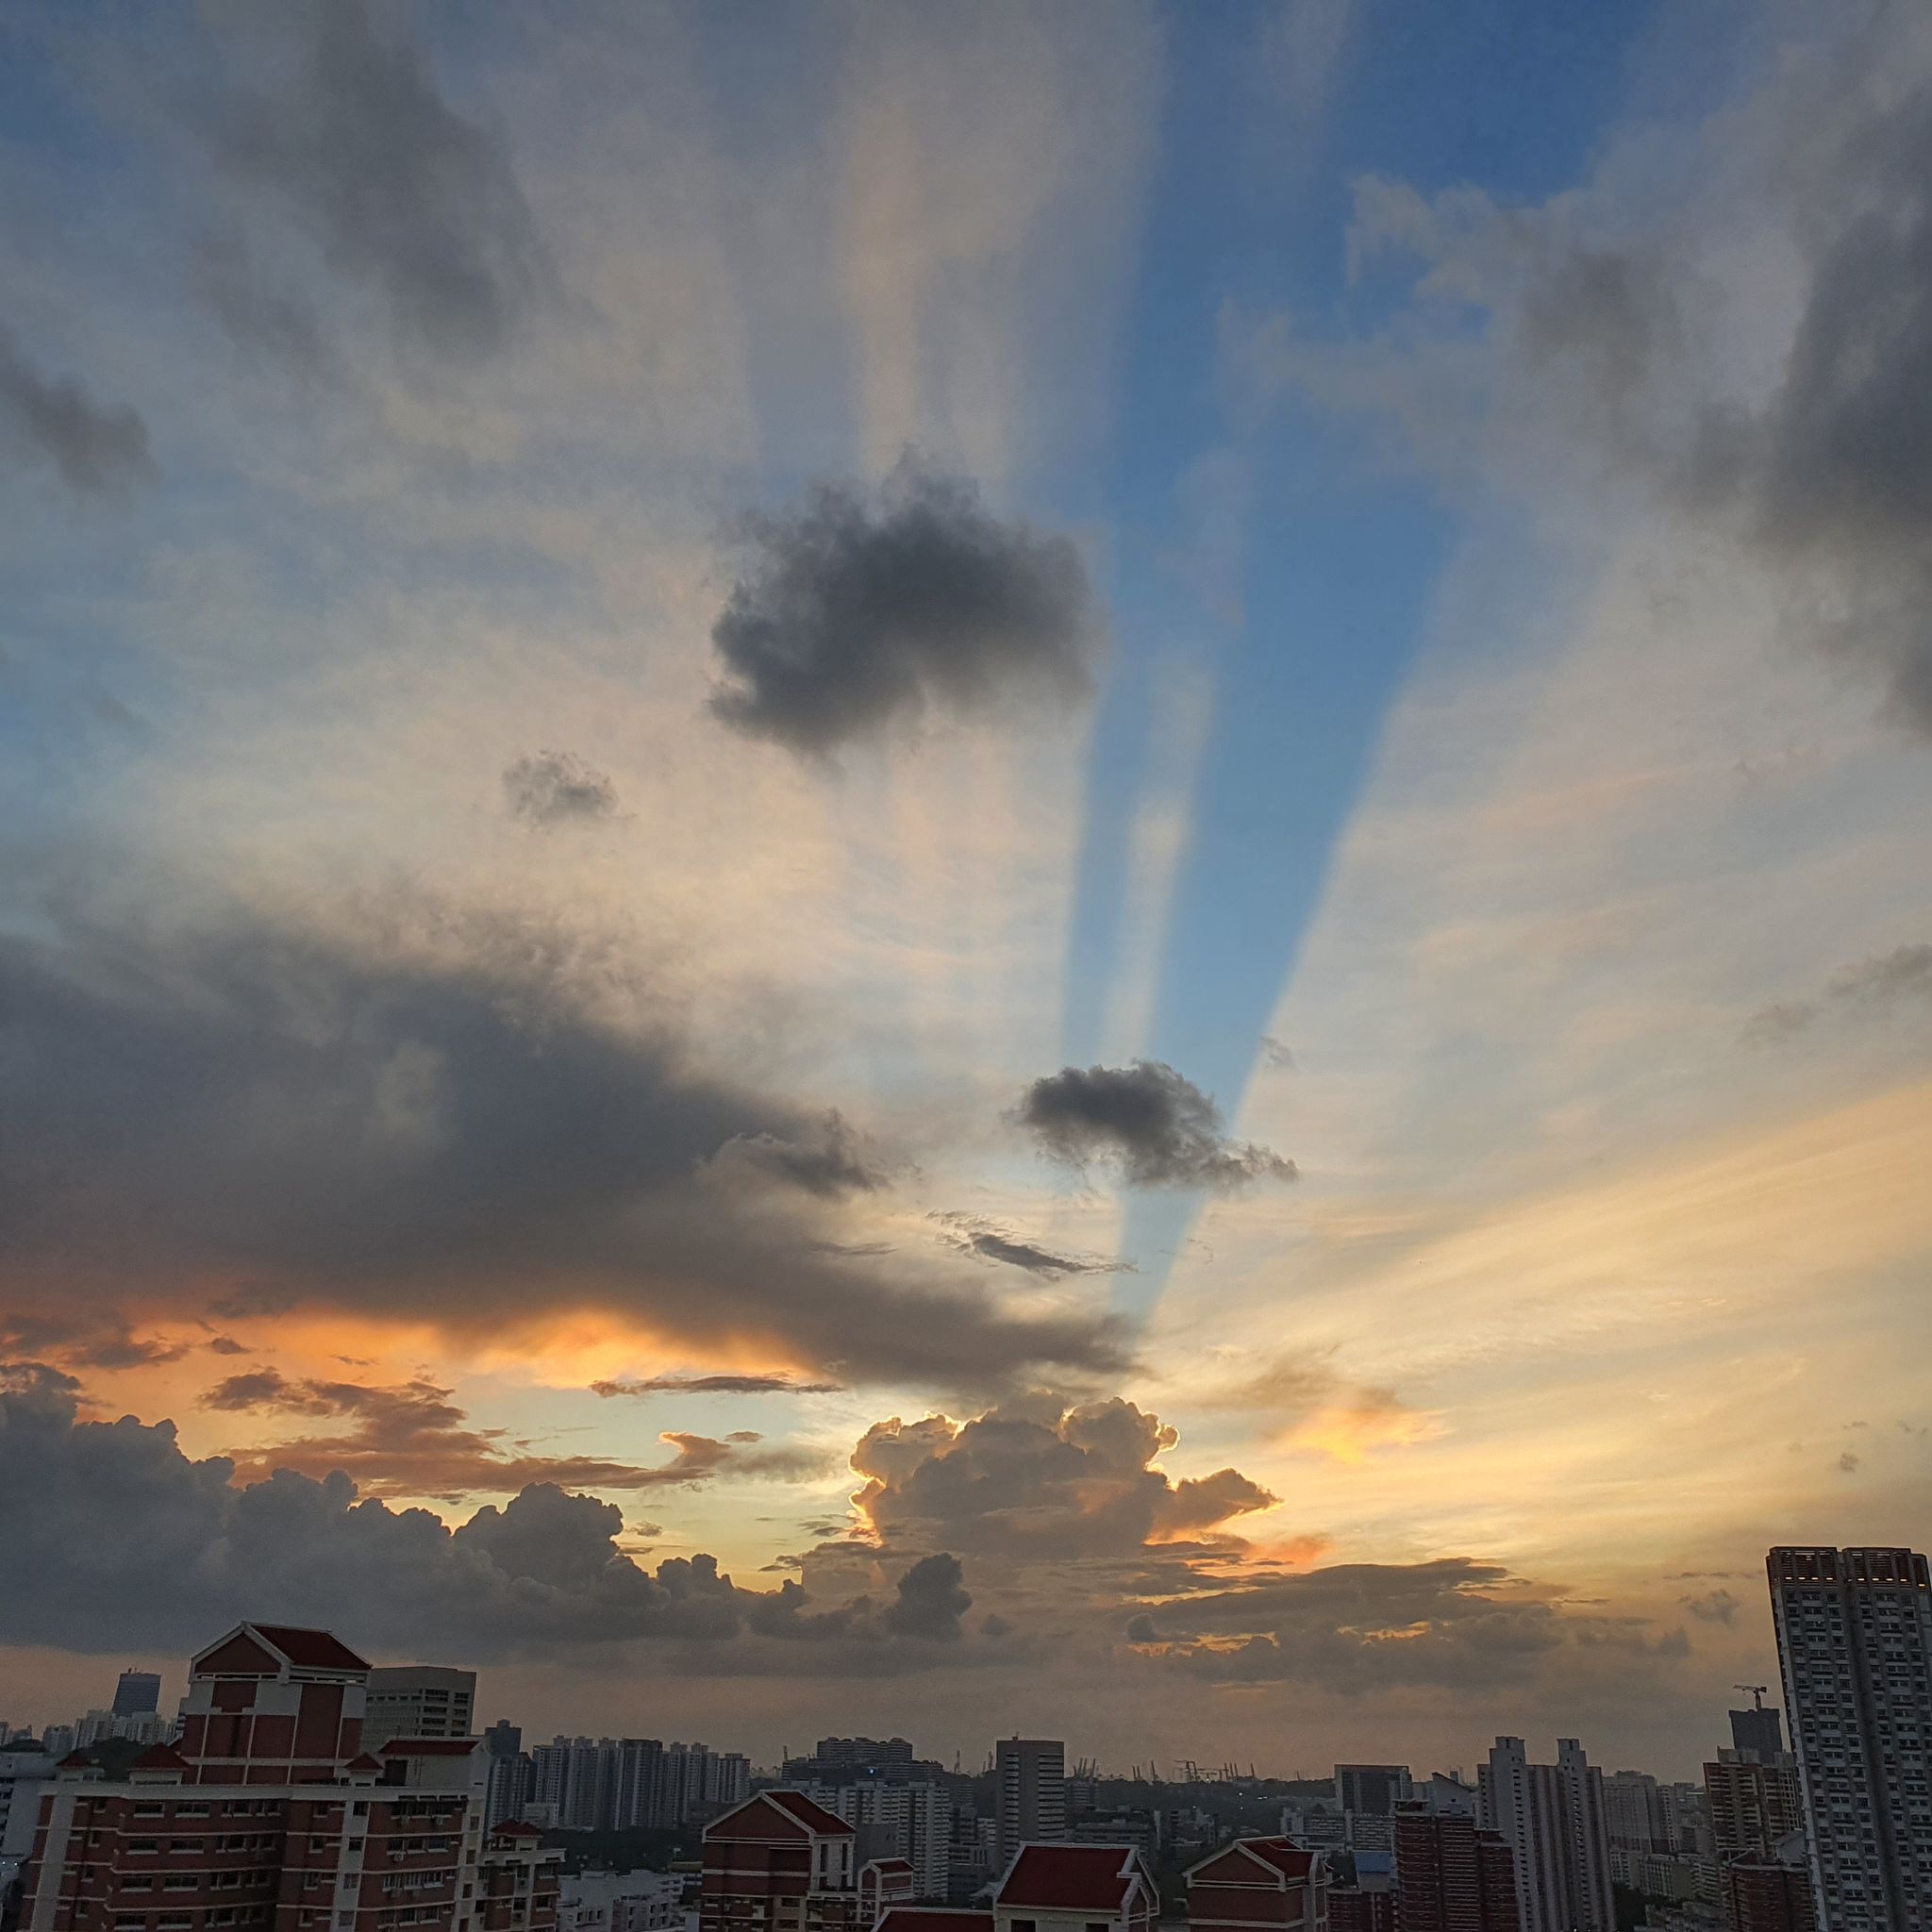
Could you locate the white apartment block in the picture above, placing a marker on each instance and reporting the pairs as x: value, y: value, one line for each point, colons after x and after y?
x: 1552, y: 1818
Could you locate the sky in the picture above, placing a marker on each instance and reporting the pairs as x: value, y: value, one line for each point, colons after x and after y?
x: 929, y: 868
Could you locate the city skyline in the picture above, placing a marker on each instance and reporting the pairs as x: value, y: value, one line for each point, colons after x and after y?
x: 1047, y: 869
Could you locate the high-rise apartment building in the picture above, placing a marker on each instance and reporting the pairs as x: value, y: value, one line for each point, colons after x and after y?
x: 1755, y: 1806
x: 1451, y: 1876
x: 911, y: 1820
x: 272, y: 1816
x: 1633, y: 1813
x: 1372, y: 1789
x: 1552, y: 1818
x: 137, y: 1692
x: 1759, y: 1730
x: 1854, y: 1652
x: 1030, y: 1775
x: 418, y: 1701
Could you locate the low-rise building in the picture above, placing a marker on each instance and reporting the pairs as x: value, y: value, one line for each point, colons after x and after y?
x: 1066, y: 1888
x: 1259, y: 1885
x: 779, y: 1862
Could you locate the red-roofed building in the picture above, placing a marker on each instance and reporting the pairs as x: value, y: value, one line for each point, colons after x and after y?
x: 1259, y: 1885
x: 779, y: 1862
x: 884, y: 1882
x: 1065, y: 1887
x: 269, y: 1816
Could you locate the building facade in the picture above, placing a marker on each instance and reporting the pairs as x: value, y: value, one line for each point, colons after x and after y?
x: 1031, y: 1778
x: 1855, y: 1651
x: 1063, y: 1887
x: 137, y: 1692
x: 1259, y: 1884
x: 1552, y: 1818
x: 1453, y: 1877
x: 418, y: 1701
x: 270, y: 1816
x: 778, y: 1862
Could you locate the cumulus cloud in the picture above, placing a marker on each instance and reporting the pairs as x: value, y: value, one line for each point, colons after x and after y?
x: 854, y: 615
x: 1040, y: 1478
x: 558, y: 788
x: 1150, y: 1125
x: 447, y: 1128
x: 99, y: 448
x: 341, y: 129
x: 116, y: 1540
x: 990, y: 1240
x: 830, y: 1159
x: 410, y: 1440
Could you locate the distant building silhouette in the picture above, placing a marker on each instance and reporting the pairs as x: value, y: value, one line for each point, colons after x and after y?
x: 137, y: 1693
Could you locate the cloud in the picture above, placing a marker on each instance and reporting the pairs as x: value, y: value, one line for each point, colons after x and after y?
x: 929, y: 1601
x: 1155, y: 1129
x: 852, y: 617
x: 1277, y: 1053
x: 713, y: 1385
x: 1713, y: 1606
x: 1040, y: 1478
x: 1752, y: 351
x: 410, y: 1440
x: 829, y: 1160
x: 558, y: 788
x: 1353, y: 1627
x: 346, y: 136
x: 99, y: 448
x: 1849, y: 1463
x: 117, y: 1541
x: 989, y: 1240
x: 458, y: 1121
x: 84, y: 1339
x: 1895, y: 981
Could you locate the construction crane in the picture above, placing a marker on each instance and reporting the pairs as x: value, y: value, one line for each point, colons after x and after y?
x: 1756, y: 1691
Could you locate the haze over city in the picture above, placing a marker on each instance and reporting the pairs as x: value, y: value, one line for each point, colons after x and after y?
x: 935, y: 870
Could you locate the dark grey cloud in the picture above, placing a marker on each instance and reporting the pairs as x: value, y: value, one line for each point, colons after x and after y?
x: 1040, y: 1478
x: 714, y: 1385
x: 1352, y: 1627
x: 1896, y: 982
x: 1153, y: 1126
x: 442, y: 1126
x: 83, y: 1337
x: 830, y: 1159
x: 116, y: 1540
x: 99, y: 448
x: 929, y: 1600
x: 1718, y: 1606
x: 558, y: 788
x: 337, y: 126
x: 989, y: 1240
x: 855, y: 615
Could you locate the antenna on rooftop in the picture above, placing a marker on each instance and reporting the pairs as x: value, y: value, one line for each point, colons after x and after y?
x: 1756, y: 1691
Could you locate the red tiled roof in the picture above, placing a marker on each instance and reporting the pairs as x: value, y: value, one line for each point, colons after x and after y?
x: 514, y: 1828
x: 362, y: 1761
x: 932, y: 1919
x: 310, y: 1650
x: 76, y: 1761
x: 1278, y: 1854
x: 1069, y: 1877
x: 431, y: 1747
x: 810, y: 1814
x: 159, y: 1758
x: 891, y: 1864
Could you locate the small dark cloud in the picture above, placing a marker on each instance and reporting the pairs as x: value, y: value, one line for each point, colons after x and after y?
x: 713, y: 1385
x: 987, y: 1241
x: 1897, y: 982
x: 343, y: 132
x: 1713, y: 1606
x: 855, y: 615
x: 558, y: 788
x: 99, y: 448
x: 1277, y: 1053
x: 84, y: 1339
x: 831, y: 1159
x: 1148, y: 1122
x: 929, y: 1601
x: 1848, y: 1463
